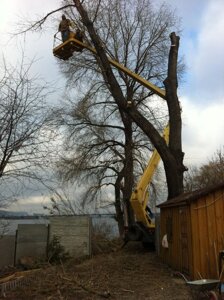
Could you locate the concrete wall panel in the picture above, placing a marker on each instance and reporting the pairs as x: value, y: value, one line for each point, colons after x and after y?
x: 7, y: 250
x: 73, y: 233
x: 31, y: 241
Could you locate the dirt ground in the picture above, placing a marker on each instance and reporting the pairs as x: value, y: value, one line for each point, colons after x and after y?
x: 130, y: 273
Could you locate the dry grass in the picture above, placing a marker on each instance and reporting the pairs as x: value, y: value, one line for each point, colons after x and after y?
x: 129, y: 273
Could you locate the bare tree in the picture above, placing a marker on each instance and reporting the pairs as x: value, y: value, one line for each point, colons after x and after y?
x: 172, y: 154
x: 63, y: 201
x: 208, y: 174
x: 139, y: 41
x: 94, y: 151
x: 145, y: 53
x: 23, y: 135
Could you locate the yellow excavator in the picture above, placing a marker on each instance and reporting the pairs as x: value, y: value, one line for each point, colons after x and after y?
x: 144, y: 229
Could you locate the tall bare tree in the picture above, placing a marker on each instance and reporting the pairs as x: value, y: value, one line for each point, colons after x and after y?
x: 23, y: 135
x: 136, y: 36
x: 138, y: 39
x: 94, y: 151
x: 172, y: 155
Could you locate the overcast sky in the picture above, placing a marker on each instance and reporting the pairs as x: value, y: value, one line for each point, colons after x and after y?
x: 202, y: 45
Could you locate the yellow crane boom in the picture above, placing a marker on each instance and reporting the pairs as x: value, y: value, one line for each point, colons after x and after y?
x: 140, y: 196
x: 66, y: 49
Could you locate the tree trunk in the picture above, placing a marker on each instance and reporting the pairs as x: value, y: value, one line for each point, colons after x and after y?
x: 118, y: 210
x: 128, y: 167
x: 171, y: 155
x: 127, y: 175
x: 175, y: 138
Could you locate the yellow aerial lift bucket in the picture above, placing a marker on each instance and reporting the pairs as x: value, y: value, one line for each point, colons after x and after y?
x: 65, y: 50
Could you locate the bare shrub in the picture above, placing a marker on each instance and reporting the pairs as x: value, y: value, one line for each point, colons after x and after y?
x: 103, y: 240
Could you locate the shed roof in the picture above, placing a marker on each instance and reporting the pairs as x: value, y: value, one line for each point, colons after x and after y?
x: 189, y: 197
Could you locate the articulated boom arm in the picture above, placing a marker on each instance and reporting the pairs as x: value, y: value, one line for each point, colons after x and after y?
x: 140, y: 196
x: 63, y: 51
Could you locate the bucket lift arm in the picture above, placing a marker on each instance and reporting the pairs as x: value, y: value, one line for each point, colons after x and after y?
x: 140, y: 196
x: 65, y: 50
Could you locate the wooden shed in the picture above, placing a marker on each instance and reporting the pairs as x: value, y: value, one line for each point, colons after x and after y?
x: 194, y: 226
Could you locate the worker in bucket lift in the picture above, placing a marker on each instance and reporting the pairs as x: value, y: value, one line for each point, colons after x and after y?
x: 64, y: 28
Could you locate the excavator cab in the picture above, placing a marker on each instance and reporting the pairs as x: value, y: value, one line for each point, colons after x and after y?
x: 64, y: 50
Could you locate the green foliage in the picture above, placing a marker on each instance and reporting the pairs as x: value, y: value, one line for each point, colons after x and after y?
x: 56, y: 252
